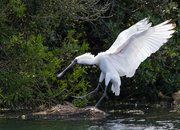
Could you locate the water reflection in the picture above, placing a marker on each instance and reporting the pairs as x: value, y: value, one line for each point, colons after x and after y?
x: 140, y: 124
x: 110, y: 123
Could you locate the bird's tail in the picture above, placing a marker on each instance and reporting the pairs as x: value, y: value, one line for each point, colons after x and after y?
x: 116, y: 87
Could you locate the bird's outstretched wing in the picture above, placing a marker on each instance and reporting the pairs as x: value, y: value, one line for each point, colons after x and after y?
x: 126, y: 34
x: 127, y: 57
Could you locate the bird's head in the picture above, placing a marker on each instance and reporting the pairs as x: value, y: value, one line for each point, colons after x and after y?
x: 82, y: 59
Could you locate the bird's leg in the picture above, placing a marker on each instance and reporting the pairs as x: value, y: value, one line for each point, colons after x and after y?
x: 107, y: 79
x: 84, y: 97
x: 104, y: 94
x: 100, y: 81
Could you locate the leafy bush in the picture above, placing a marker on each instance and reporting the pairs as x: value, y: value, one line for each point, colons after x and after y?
x: 28, y: 71
x: 40, y: 38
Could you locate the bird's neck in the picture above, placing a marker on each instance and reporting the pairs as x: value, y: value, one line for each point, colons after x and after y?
x: 91, y: 61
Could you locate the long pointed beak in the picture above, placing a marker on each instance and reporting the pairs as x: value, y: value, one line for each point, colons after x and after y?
x: 73, y: 63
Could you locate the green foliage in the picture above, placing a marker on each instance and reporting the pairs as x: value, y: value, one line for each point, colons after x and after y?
x: 28, y: 71
x: 28, y: 67
x: 40, y: 38
x: 160, y: 72
x: 73, y: 82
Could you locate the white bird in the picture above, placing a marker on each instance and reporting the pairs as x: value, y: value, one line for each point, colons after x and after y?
x: 131, y: 47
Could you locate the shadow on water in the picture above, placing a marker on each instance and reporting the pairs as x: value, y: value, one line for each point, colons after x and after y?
x: 122, y: 117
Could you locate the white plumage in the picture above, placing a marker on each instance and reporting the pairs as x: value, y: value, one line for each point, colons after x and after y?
x: 131, y: 47
x: 127, y: 57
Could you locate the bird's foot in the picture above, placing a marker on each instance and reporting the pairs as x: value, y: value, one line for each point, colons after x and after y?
x: 83, y: 97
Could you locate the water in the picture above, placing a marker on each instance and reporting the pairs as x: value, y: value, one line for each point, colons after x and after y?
x: 152, y: 119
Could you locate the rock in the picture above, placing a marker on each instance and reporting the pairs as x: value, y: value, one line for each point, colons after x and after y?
x: 41, y: 108
x: 67, y: 110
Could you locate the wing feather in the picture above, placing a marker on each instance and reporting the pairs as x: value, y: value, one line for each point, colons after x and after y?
x: 126, y: 34
x: 129, y: 55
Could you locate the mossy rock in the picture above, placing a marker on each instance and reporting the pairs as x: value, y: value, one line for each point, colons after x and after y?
x: 66, y: 110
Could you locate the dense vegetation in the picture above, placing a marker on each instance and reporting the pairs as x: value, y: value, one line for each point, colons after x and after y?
x: 38, y: 38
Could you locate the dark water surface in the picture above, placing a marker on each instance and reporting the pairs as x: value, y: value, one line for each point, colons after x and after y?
x: 151, y: 119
